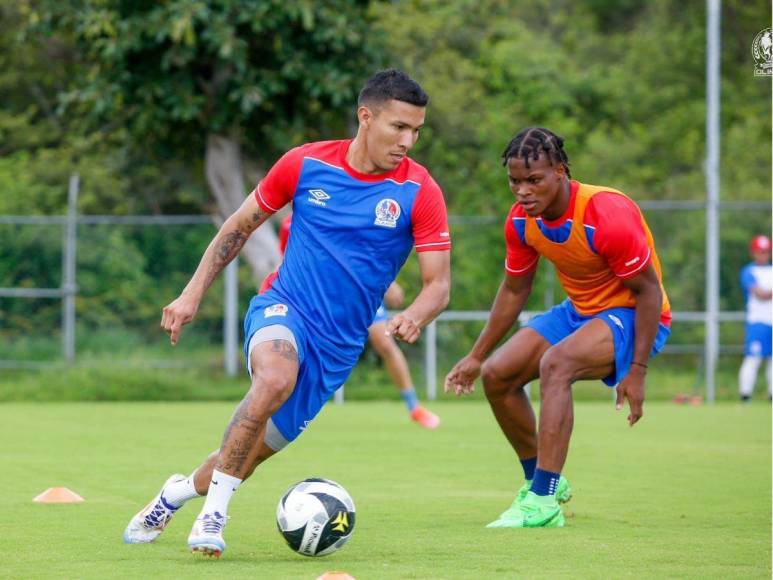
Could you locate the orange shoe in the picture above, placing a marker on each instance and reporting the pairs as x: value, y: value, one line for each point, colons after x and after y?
x: 425, y: 418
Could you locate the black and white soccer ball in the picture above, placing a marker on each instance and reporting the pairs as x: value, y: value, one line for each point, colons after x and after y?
x: 316, y: 517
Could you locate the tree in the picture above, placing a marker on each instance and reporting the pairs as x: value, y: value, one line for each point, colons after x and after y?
x: 215, y: 80
x: 622, y: 81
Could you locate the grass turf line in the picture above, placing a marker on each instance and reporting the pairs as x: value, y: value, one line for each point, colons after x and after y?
x: 686, y: 493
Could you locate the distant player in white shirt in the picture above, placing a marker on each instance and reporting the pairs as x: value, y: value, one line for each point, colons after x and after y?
x: 757, y: 282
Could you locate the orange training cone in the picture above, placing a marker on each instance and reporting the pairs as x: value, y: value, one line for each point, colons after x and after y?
x: 58, y: 495
x: 335, y: 575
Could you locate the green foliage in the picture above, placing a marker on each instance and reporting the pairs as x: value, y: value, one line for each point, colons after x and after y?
x: 126, y: 92
x: 39, y: 146
x: 623, y: 82
x: 133, y: 383
x: 173, y: 72
x: 117, y: 365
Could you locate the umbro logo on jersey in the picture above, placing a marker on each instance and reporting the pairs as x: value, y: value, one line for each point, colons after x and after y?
x: 632, y: 262
x: 318, y: 197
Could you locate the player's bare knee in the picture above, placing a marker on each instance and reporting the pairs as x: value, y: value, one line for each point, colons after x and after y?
x: 383, y: 345
x: 492, y: 377
x: 555, y: 370
x: 272, y: 383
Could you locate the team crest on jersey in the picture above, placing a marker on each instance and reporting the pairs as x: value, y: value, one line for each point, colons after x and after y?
x: 387, y: 213
x: 275, y: 310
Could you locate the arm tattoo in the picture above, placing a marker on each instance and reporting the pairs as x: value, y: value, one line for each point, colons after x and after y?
x: 258, y: 217
x: 230, y: 245
x: 227, y: 249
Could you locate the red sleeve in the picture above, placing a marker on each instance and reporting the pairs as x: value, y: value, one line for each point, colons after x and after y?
x: 268, y: 281
x: 429, y: 219
x: 619, y: 235
x: 521, y: 259
x: 277, y: 188
x: 284, y: 233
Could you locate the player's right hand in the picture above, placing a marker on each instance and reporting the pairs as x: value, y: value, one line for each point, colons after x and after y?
x: 403, y: 328
x: 180, y: 311
x: 461, y: 379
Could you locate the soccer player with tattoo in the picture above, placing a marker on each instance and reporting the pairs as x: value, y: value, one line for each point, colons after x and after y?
x: 616, y: 316
x: 360, y: 206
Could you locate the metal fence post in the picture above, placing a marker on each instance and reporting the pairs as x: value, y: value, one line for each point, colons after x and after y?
x: 230, y: 318
x: 713, y: 10
x: 69, y: 288
x: 430, y: 360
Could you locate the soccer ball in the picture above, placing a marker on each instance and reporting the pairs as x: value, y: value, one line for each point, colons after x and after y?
x: 315, y: 517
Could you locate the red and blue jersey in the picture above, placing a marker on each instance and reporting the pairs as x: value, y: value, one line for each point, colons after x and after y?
x: 351, y: 234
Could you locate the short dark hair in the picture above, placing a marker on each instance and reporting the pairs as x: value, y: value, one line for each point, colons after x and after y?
x: 531, y: 141
x: 390, y: 84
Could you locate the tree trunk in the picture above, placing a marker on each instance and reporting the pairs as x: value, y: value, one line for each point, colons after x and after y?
x: 223, y: 162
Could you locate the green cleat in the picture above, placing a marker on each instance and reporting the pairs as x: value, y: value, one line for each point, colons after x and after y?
x: 514, y: 509
x: 563, y: 490
x: 563, y: 495
x: 534, y: 511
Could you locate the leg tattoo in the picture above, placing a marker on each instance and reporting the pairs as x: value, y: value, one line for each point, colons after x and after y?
x: 239, y: 447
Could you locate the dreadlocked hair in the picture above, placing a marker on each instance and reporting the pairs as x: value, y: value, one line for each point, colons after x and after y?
x: 531, y: 142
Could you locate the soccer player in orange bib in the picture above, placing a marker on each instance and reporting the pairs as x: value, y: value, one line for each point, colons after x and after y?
x: 615, y: 318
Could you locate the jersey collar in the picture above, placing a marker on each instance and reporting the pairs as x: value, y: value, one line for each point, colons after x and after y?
x: 344, y: 149
x: 573, y: 187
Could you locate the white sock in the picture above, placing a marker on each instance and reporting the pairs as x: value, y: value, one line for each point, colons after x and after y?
x: 221, y: 488
x: 767, y: 377
x: 179, y: 492
x: 747, y: 376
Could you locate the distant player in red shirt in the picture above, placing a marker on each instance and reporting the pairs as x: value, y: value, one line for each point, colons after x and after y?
x: 382, y: 343
x: 616, y: 317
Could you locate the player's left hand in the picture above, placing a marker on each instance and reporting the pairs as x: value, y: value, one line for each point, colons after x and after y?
x: 632, y: 388
x: 403, y: 328
x: 461, y: 378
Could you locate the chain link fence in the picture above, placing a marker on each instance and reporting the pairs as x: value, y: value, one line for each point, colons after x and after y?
x: 88, y: 290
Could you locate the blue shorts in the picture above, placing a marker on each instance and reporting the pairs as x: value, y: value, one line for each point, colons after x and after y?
x: 758, y: 339
x: 381, y: 315
x: 320, y: 374
x: 562, y: 320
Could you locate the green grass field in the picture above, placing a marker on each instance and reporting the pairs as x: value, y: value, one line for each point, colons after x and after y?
x: 686, y: 493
